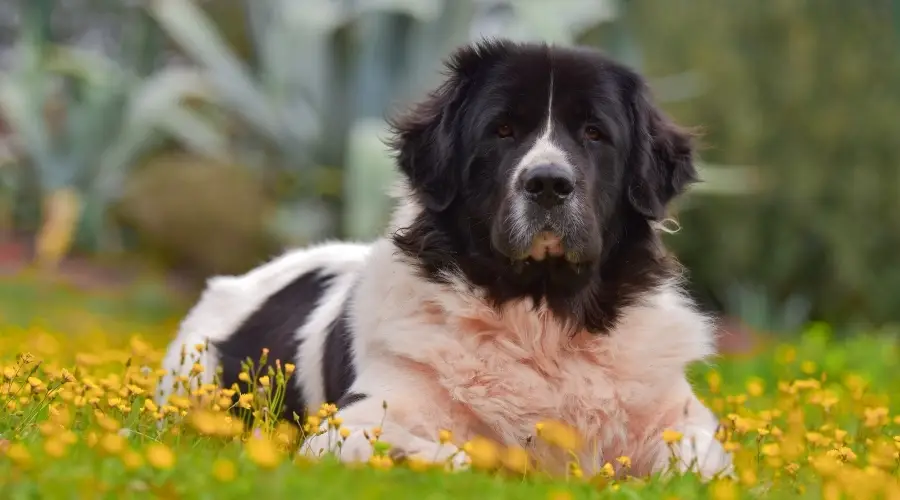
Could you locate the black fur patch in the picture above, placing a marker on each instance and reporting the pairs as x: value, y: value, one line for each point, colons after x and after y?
x: 350, y: 398
x: 274, y: 326
x: 338, y: 371
x: 459, y: 169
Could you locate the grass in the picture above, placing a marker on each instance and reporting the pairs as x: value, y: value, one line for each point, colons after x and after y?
x: 812, y: 418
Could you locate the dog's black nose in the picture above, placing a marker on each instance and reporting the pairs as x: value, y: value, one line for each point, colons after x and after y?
x: 548, y: 185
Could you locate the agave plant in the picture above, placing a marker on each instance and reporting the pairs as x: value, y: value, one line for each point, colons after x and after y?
x: 82, y: 119
x: 326, y: 74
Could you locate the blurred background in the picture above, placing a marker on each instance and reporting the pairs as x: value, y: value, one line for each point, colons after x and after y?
x: 148, y: 144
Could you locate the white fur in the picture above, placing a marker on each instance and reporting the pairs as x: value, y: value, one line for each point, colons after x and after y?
x: 229, y: 300
x: 416, y: 349
x: 440, y: 358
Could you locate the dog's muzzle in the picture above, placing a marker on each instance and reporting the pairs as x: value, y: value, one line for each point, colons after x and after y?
x: 547, y: 185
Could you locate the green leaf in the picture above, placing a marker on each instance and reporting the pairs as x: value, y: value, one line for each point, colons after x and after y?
x: 197, y: 36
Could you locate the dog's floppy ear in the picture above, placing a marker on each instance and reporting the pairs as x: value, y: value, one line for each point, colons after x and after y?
x: 426, y: 139
x: 661, y: 163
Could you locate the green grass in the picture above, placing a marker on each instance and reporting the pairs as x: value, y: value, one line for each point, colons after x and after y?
x: 27, y: 300
x: 59, y: 325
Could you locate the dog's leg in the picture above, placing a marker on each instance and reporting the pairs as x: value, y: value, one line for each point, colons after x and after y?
x: 698, y: 450
x: 367, y: 421
x: 399, y: 400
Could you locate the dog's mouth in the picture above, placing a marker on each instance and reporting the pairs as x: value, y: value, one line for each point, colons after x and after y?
x: 548, y: 245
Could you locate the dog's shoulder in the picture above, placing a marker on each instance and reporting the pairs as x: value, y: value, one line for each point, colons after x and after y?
x: 664, y: 329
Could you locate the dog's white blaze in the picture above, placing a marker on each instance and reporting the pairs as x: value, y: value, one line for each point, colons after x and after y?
x: 542, y: 152
x: 544, y: 149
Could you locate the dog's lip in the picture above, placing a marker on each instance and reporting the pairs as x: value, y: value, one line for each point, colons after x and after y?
x: 544, y: 244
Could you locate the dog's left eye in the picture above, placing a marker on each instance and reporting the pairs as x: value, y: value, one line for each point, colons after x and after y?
x: 592, y: 133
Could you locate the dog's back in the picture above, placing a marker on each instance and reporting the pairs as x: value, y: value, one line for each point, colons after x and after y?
x: 287, y: 303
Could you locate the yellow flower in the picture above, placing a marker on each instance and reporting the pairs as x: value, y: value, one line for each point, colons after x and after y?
x: 625, y: 461
x: 159, y: 456
x: 383, y: 462
x: 112, y: 443
x: 179, y: 402
x: 748, y: 477
x: 482, y: 452
x: 264, y: 381
x: 876, y: 417
x: 68, y: 437
x: 771, y: 449
x: 840, y: 435
x: 814, y: 437
x: 197, y: 369
x: 608, y: 470
x: 755, y: 387
x: 60, y: 416
x: 244, y: 377
x: 229, y: 427
x: 55, y: 448
x: 417, y: 464
x: 19, y: 455
x: 289, y: 369
x: 287, y: 434
x: 150, y: 406
x: 445, y: 436
x: 344, y: 432
x: 575, y: 470
x: 843, y: 453
x: 723, y: 489
x: 107, y: 423
x: 263, y: 452
x: 560, y: 435
x: 224, y: 470
x: 48, y: 428
x: 245, y: 401
x: 91, y: 439
x: 132, y: 460
x: 205, y: 422
x: 670, y: 436
x: 515, y: 459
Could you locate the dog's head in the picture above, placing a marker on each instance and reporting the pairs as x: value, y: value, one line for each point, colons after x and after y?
x: 538, y: 171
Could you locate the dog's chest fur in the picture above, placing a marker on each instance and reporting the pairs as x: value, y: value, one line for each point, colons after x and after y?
x: 500, y: 374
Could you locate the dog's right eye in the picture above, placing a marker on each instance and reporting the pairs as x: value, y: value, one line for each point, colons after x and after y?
x: 504, y: 131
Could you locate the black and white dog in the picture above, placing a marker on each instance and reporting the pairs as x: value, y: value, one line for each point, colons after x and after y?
x: 522, y: 277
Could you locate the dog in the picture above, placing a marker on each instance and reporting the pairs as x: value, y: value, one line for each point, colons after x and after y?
x: 522, y: 278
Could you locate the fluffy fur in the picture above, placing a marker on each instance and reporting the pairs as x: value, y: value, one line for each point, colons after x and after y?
x: 520, y: 279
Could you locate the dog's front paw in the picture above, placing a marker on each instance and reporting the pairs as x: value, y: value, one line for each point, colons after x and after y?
x: 698, y: 451
x: 357, y: 447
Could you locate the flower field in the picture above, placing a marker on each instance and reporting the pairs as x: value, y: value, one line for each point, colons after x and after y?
x: 809, y: 418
